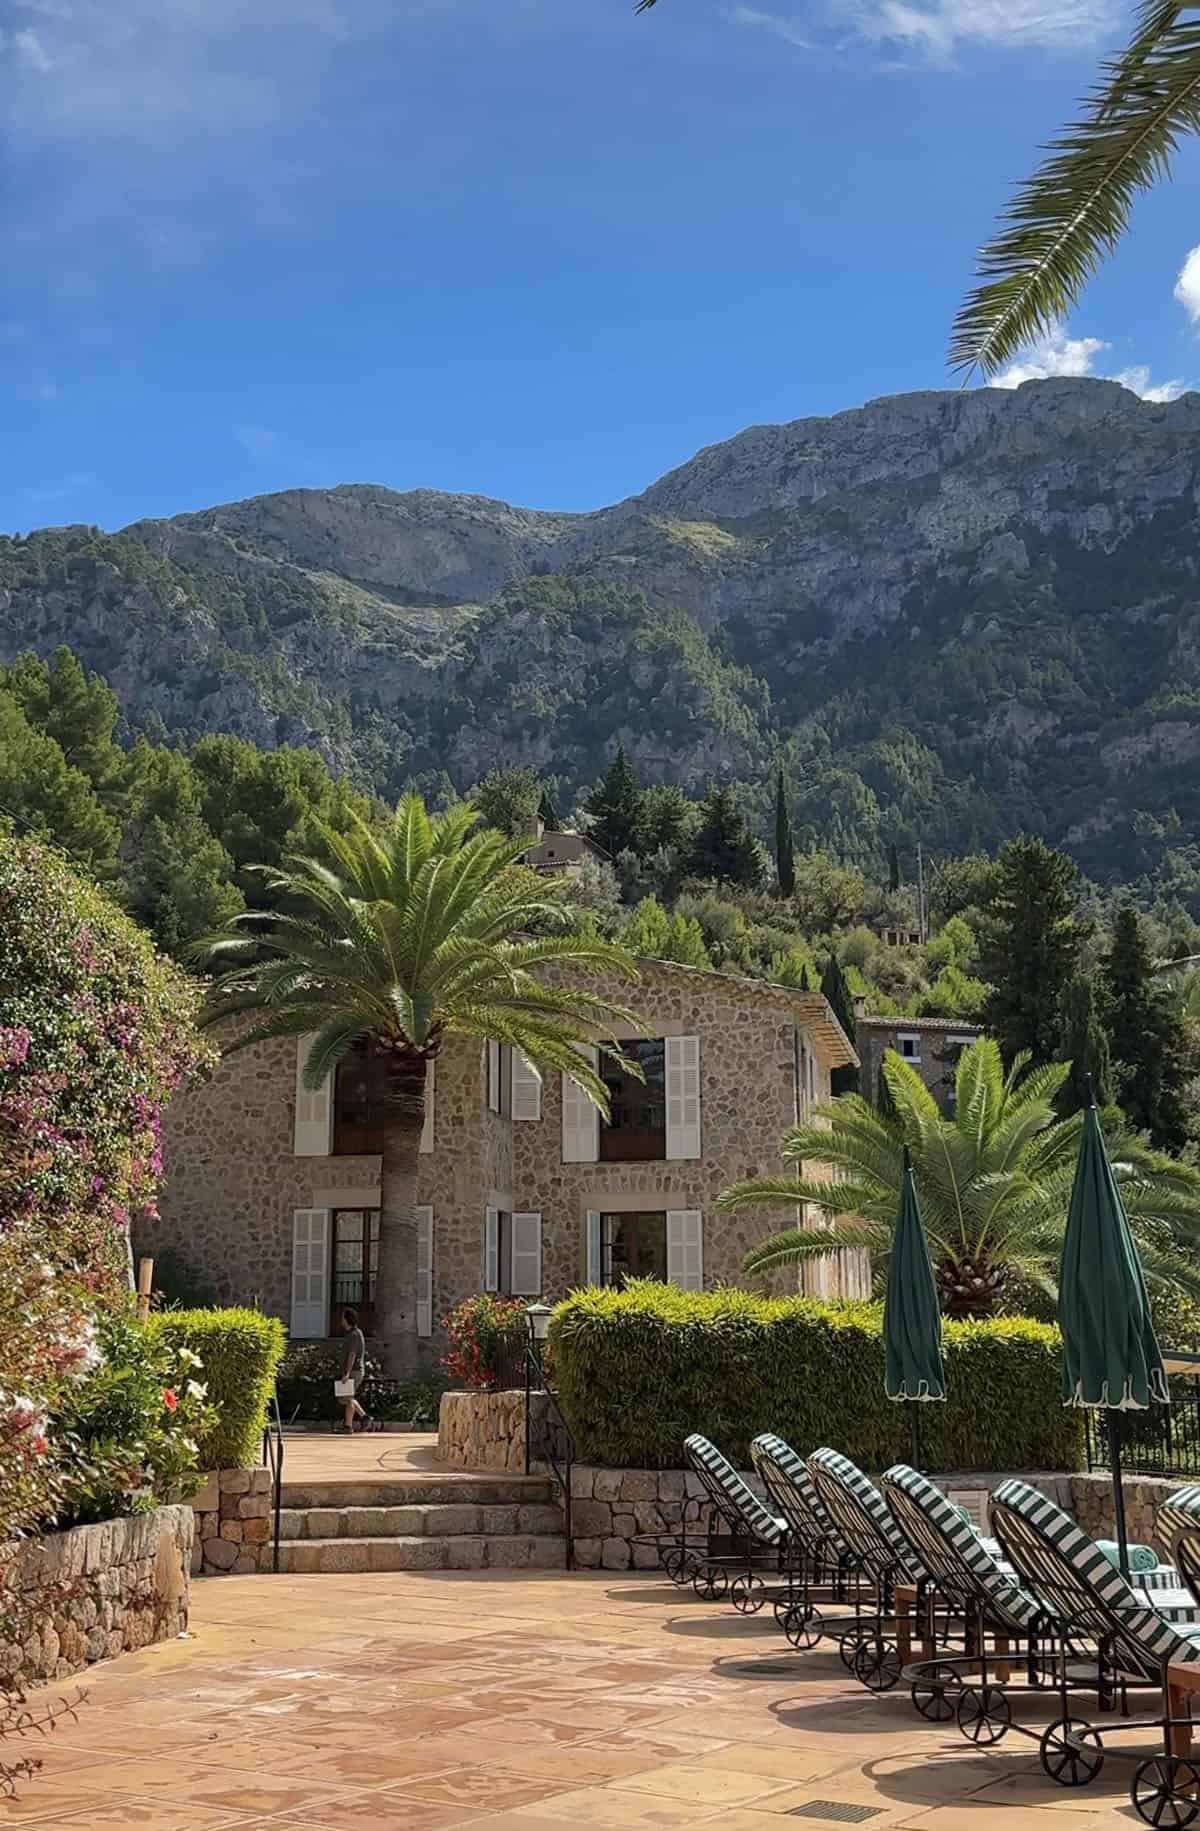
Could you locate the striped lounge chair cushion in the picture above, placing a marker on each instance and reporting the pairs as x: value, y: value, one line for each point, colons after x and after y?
x: 722, y: 1479
x: 860, y: 1513
x: 1075, y: 1580
x: 787, y: 1482
x: 953, y: 1551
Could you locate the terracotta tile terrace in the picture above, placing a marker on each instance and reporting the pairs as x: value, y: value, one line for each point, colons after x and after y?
x: 421, y: 1702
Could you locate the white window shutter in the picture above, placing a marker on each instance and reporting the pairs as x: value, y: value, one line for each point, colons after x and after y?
x: 310, y: 1273
x: 430, y: 1097
x: 424, y: 1219
x: 491, y: 1249
x: 526, y: 1089
x: 526, y: 1269
x: 314, y: 1111
x: 683, y: 1096
x: 685, y: 1248
x: 493, y: 1074
x: 580, y: 1119
x: 594, y: 1269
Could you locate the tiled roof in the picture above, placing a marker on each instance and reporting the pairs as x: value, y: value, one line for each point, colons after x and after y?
x: 914, y: 1024
x: 833, y: 1043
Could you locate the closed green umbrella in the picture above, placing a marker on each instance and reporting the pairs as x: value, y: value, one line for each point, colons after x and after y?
x: 912, y: 1317
x: 1111, y: 1359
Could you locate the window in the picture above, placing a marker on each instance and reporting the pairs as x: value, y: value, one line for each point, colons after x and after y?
x: 637, y: 1130
x: 504, y: 1253
x: 909, y: 1049
x: 360, y: 1104
x: 355, y: 1265
x: 499, y: 1078
x: 632, y: 1246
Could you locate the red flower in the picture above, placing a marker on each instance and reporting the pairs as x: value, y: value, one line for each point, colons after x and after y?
x: 169, y: 1399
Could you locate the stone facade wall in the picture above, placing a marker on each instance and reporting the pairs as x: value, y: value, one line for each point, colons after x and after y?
x: 233, y: 1523
x: 1092, y: 1504
x: 485, y: 1430
x: 233, y: 1179
x: 96, y: 1591
x: 874, y: 1035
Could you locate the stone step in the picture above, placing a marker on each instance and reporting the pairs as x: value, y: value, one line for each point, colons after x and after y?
x: 473, y: 1551
x: 420, y: 1490
x: 451, y: 1520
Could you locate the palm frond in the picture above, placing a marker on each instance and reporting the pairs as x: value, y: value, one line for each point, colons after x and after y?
x: 798, y: 1245
x: 1067, y: 218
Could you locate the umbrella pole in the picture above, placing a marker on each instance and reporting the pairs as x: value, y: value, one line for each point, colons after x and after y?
x: 915, y: 1415
x: 1114, y: 1459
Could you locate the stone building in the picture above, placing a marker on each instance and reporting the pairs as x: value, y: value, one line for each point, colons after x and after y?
x: 272, y: 1192
x: 931, y: 1045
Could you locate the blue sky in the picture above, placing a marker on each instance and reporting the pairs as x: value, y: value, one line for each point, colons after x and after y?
x: 541, y: 249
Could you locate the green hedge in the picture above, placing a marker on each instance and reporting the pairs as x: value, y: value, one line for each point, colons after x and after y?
x: 239, y: 1351
x: 638, y: 1369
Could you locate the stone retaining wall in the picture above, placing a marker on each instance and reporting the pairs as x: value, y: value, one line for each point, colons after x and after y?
x: 485, y: 1430
x: 94, y: 1592
x: 1092, y: 1504
x: 233, y: 1523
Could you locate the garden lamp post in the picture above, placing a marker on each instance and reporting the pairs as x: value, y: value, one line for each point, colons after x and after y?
x: 537, y: 1324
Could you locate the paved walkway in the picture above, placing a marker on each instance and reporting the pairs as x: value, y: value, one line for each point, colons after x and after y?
x: 314, y: 1456
x: 507, y: 1700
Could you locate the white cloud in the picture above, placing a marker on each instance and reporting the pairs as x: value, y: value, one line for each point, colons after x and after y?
x: 31, y: 51
x: 787, y: 29
x: 1187, y: 286
x: 1058, y: 354
x: 259, y: 441
x: 935, y: 33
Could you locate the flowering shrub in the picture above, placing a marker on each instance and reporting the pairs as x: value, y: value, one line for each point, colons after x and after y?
x: 487, y: 1342
x: 98, y: 1031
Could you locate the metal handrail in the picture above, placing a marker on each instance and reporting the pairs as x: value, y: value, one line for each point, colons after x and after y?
x: 273, y: 1459
x: 553, y: 1441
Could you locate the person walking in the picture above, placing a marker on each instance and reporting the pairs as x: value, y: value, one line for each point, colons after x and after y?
x: 356, y: 1368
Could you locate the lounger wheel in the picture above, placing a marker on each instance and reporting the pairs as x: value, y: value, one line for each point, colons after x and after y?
x: 929, y: 1694
x: 1070, y: 1752
x: 672, y: 1562
x: 876, y: 1663
x: 802, y: 1625
x: 1166, y: 1792
x: 984, y: 1714
x: 710, y: 1582
x: 848, y: 1646
x: 747, y: 1593
x: 785, y: 1606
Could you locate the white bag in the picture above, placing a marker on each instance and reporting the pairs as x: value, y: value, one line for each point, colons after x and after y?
x: 343, y: 1389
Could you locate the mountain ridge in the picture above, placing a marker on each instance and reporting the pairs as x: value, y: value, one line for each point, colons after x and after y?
x: 953, y: 613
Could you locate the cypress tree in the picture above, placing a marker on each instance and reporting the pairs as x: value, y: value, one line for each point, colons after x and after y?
x: 833, y: 984
x: 893, y: 870
x: 1031, y: 947
x: 547, y: 812
x: 785, y: 858
x: 885, y: 1106
x: 615, y: 807
x: 1146, y: 1036
x: 1085, y: 1046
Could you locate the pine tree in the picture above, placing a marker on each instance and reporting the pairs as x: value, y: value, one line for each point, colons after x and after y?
x: 507, y: 800
x: 785, y: 858
x: 885, y: 1106
x: 547, y: 812
x: 615, y: 805
x: 1031, y: 949
x: 724, y: 847
x: 833, y: 984
x: 1146, y: 1036
x: 1085, y: 1046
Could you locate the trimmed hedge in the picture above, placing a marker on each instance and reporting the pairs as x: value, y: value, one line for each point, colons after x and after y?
x: 638, y: 1369
x: 239, y: 1351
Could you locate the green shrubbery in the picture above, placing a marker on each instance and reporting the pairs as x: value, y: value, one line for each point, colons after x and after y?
x: 305, y: 1384
x: 638, y: 1369
x: 239, y: 1351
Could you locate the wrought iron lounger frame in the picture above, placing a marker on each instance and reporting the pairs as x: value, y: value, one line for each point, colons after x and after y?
x: 754, y: 1539
x: 822, y: 1562
x: 1139, y: 1647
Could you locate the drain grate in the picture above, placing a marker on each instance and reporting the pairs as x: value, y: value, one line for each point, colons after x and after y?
x: 833, y: 1812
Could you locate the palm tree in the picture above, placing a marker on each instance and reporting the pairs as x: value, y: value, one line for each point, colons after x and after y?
x: 427, y: 929
x: 995, y: 1182
x: 1074, y: 210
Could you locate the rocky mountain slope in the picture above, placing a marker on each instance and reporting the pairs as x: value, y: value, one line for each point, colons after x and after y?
x: 958, y: 613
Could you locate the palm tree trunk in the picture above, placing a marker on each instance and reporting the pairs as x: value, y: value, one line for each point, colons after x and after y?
x: 396, y: 1276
